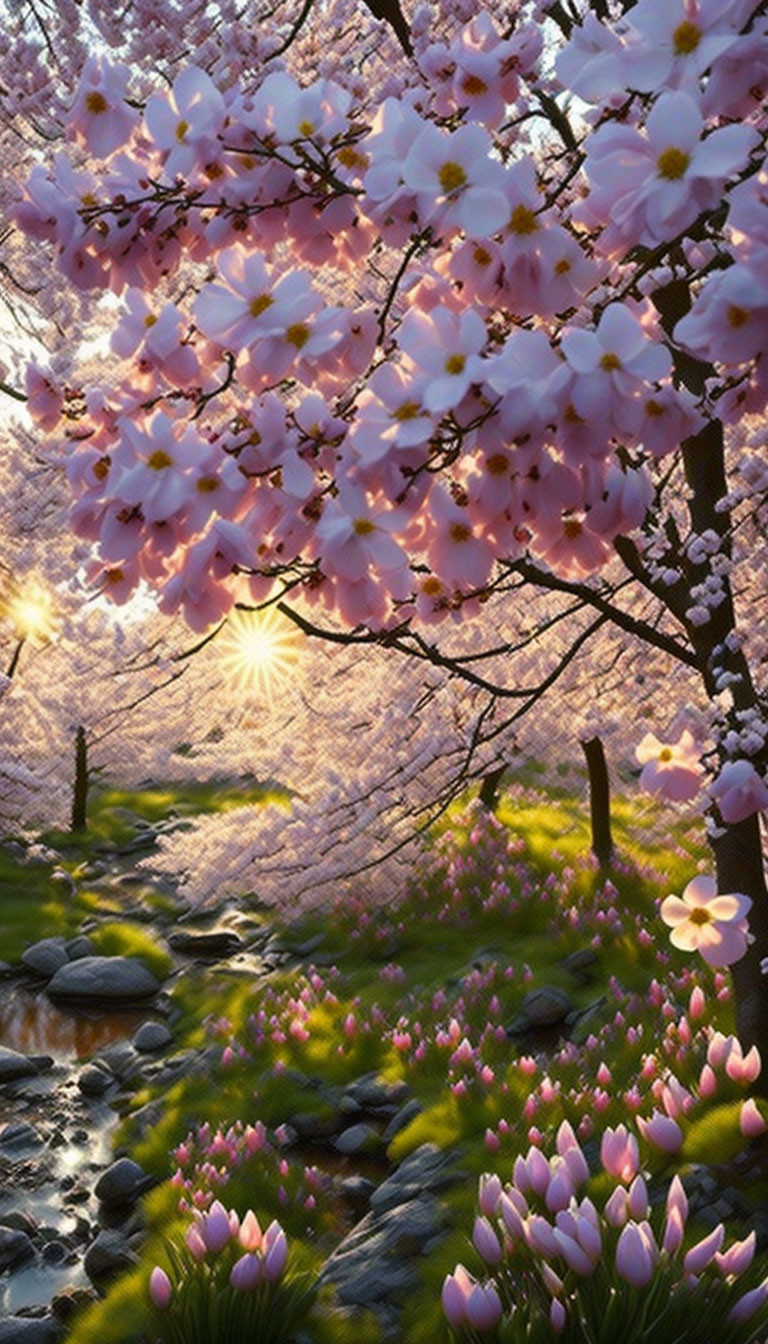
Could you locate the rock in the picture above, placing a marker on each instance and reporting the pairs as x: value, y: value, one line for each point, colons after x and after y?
x: 402, y: 1119
x: 372, y: 1093
x: 14, y: 1065
x: 122, y: 1183
x: 375, y: 1262
x: 54, y: 1252
x: 94, y: 1081
x: 24, y: 1222
x: 79, y: 947
x: 357, y: 1191
x: 15, y: 1246
x: 71, y: 1300
x: 120, y: 1059
x: 358, y: 1139
x: 151, y: 1036
x: 45, y: 957
x: 580, y: 962
x: 311, y: 1125
x: 29, y: 1330
x: 545, y: 1007
x: 428, y: 1168
x: 209, y: 943
x: 107, y: 1255
x: 105, y: 978
x: 18, y: 1134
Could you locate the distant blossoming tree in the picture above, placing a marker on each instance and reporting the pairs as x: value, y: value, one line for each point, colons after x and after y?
x: 413, y: 327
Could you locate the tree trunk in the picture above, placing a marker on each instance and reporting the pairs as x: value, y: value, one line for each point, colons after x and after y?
x: 489, y: 789
x: 80, y: 792
x: 739, y: 862
x: 599, y: 801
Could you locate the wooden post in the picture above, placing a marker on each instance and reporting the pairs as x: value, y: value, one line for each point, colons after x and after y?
x: 599, y: 800
x: 489, y: 789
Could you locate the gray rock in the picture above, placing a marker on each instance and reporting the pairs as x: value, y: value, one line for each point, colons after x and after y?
x: 94, y: 1081
x: 357, y: 1191
x: 29, y: 1330
x: 580, y: 962
x: 107, y: 1255
x: 15, y: 1246
x: 105, y: 978
x: 358, y: 1139
x: 151, y: 1036
x: 70, y: 1300
x: 402, y: 1119
x: 18, y: 1218
x: 372, y: 1093
x: 79, y: 947
x: 312, y: 1125
x: 122, y: 1183
x: 120, y: 1059
x: 209, y: 943
x: 45, y: 957
x: 375, y: 1262
x: 14, y: 1065
x: 426, y: 1169
x: 545, y: 1007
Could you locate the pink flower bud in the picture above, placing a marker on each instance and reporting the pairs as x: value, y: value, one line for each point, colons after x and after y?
x: 634, y: 1256
x: 743, y: 1068
x: 541, y: 1236
x: 661, y: 1131
x: 538, y: 1170
x: 700, y: 1255
x: 160, y: 1290
x: 250, y: 1235
x: 557, y: 1316
x: 559, y: 1191
x: 637, y: 1199
x: 737, y: 1258
x: 275, y: 1252
x: 483, y: 1307
x: 719, y: 1049
x: 456, y: 1289
x: 215, y: 1228
x: 707, y: 1081
x: 194, y: 1242
x: 619, y: 1153
x: 246, y: 1273
x: 697, y: 1005
x: 616, y: 1212
x: 751, y: 1122
x: 511, y: 1217
x: 486, y: 1243
x: 751, y: 1302
x: 573, y: 1254
x: 488, y: 1194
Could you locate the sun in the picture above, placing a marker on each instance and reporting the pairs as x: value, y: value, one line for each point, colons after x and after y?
x: 31, y: 610
x: 258, y: 650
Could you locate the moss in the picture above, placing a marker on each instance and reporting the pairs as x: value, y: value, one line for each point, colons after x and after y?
x: 126, y: 940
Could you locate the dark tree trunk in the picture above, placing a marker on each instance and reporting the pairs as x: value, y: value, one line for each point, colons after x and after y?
x: 80, y: 791
x: 489, y: 789
x: 599, y: 800
x: 739, y: 862
x: 15, y: 659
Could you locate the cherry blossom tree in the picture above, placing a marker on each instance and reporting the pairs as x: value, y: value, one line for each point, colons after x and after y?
x: 404, y: 335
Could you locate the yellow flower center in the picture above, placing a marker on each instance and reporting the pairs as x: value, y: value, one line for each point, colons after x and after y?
x: 297, y: 334
x: 364, y: 527
x: 101, y: 468
x: 672, y: 163
x: 654, y: 409
x: 114, y: 575
x: 523, y: 221
x: 497, y: 464
x: 150, y: 320
x: 260, y: 304
x: 700, y: 916
x: 481, y: 257
x: 665, y: 754
x: 686, y: 38
x: 159, y: 460
x: 409, y: 410
x: 207, y: 484
x: 610, y: 361
x: 181, y: 130
x: 455, y: 364
x: 563, y: 266
x: 351, y: 158
x: 460, y: 532
x: 572, y: 528
x: 473, y: 85
x: 451, y: 176
x: 432, y: 586
x: 96, y: 102
x: 737, y: 317
x: 306, y: 128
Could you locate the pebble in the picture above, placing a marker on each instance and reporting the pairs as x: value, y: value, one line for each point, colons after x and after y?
x: 45, y: 957
x: 94, y: 1081
x: 151, y: 1036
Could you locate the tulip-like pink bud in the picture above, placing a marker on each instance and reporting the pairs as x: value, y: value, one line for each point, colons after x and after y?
x: 637, y: 1200
x: 634, y: 1257
x: 674, y: 1230
x: 215, y: 1228
x: 483, y: 1307
x: 588, y: 1237
x: 160, y: 1290
x: 662, y: 1132
x: 246, y: 1273
x: 751, y: 1122
x: 486, y: 1243
x: 488, y: 1194
x: 250, y: 1234
x: 743, y: 1068
x: 707, y: 1081
x: 557, y: 1316
x: 700, y: 1255
x: 275, y: 1251
x: 539, y: 1173
x: 719, y: 1049
x: 552, y: 1281
x: 616, y: 1212
x: 512, y: 1219
x: 747, y: 1305
x: 697, y: 1004
x: 573, y: 1254
x: 194, y: 1242
x: 737, y: 1258
x: 541, y: 1236
x: 456, y: 1289
x: 619, y: 1153
x: 560, y: 1189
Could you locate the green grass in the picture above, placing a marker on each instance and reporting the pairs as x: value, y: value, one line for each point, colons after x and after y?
x: 126, y: 940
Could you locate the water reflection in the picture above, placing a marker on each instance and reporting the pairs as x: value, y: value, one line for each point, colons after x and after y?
x: 35, y: 1284
x: 31, y: 1023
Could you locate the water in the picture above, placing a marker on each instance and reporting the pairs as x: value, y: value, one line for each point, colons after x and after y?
x: 32, y: 1024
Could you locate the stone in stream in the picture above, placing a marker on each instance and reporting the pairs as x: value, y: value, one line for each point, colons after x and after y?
x: 94, y: 1081
x: 107, y: 1255
x: 122, y: 1183
x: 151, y: 1036
x: 358, y: 1139
x: 29, y: 1330
x: 15, y: 1065
x: 15, y: 1246
x: 210, y: 943
x: 110, y: 979
x: 45, y: 957
x: 18, y: 1134
x: 79, y: 947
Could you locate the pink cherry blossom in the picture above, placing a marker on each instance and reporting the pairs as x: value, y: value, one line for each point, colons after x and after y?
x: 670, y: 769
x: 457, y: 184
x: 707, y: 922
x: 180, y: 121
x: 100, y: 115
x: 739, y: 791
